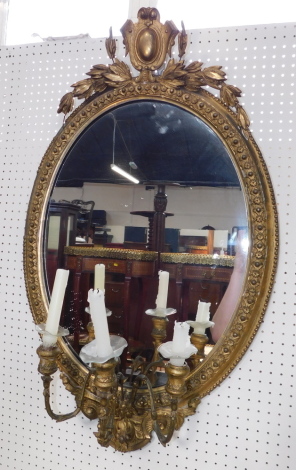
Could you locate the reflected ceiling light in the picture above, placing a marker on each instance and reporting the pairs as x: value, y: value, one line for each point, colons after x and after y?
x: 124, y: 173
x: 116, y: 168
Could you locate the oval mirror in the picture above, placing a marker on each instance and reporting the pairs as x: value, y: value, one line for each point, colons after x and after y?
x: 201, y: 211
x: 171, y: 152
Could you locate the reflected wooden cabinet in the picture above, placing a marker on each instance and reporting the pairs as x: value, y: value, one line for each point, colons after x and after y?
x: 205, y: 291
x: 194, y: 282
x: 60, y: 232
x: 131, y: 285
x: 114, y: 295
x: 127, y: 272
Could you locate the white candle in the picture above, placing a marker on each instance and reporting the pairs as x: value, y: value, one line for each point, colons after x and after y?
x: 99, y: 277
x: 56, y: 302
x: 180, y: 338
x: 203, y: 312
x: 99, y: 318
x: 163, y: 287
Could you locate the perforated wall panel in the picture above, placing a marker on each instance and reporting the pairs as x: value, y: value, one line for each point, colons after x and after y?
x: 249, y: 421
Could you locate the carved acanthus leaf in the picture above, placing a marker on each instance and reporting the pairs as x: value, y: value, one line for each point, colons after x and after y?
x: 214, y: 73
x: 173, y: 75
x: 97, y: 71
x: 141, y: 430
x: 174, y: 70
x: 194, y: 67
x: 243, y: 118
x: 66, y: 104
x: 83, y: 88
x: 229, y: 94
x: 148, y: 424
x: 119, y: 74
x: 194, y: 78
x: 182, y: 41
x: 110, y: 45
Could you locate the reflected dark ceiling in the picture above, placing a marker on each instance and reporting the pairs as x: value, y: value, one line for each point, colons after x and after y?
x: 167, y: 143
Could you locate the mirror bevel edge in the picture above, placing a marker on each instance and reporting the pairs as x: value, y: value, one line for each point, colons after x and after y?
x: 262, y: 220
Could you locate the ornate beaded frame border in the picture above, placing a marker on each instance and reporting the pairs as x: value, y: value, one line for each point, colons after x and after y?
x: 261, y: 214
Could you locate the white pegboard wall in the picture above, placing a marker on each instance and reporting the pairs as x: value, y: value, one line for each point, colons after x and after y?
x: 247, y: 422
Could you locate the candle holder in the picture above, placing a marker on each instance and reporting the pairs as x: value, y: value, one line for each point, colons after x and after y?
x: 176, y: 359
x: 48, y: 359
x: 159, y: 321
x: 199, y: 341
x: 158, y: 334
x: 199, y: 327
x: 105, y: 378
x: 89, y: 354
x: 160, y: 312
x: 176, y: 384
x: 49, y: 339
x: 118, y: 403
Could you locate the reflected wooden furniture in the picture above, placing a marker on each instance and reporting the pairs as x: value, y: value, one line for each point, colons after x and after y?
x: 101, y: 235
x: 131, y: 284
x: 156, y: 220
x: 60, y: 232
x: 198, y: 244
x: 84, y: 217
x: 197, y: 249
x: 197, y: 277
x: 122, y: 266
x: 193, y: 277
x: 156, y: 226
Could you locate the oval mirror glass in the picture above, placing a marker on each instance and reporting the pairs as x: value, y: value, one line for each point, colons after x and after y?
x: 99, y: 214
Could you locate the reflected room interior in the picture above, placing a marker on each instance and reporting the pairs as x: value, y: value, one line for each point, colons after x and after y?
x: 183, y: 217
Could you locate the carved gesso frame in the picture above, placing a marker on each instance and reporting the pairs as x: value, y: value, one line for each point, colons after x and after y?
x: 229, y: 121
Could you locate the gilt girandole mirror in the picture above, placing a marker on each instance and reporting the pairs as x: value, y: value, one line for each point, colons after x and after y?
x: 147, y: 286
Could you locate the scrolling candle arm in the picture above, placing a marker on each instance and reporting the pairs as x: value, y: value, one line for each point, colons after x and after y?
x: 47, y: 367
x: 49, y: 351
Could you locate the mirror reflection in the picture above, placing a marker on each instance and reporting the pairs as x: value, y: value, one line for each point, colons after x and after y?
x: 186, y: 216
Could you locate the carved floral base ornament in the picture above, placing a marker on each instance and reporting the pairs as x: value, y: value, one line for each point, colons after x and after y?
x: 158, y: 396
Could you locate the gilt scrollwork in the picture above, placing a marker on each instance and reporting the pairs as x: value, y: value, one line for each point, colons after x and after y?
x: 148, y: 42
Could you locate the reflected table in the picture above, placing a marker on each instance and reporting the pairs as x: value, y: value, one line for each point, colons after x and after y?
x: 130, y: 264
x: 197, y: 277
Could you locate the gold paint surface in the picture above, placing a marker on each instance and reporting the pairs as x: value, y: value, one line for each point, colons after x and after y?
x: 147, y: 44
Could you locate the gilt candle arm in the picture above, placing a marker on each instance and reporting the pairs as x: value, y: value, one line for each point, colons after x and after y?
x: 163, y: 438
x: 47, y: 367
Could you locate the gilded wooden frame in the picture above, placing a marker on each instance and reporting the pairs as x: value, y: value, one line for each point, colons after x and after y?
x: 229, y: 121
